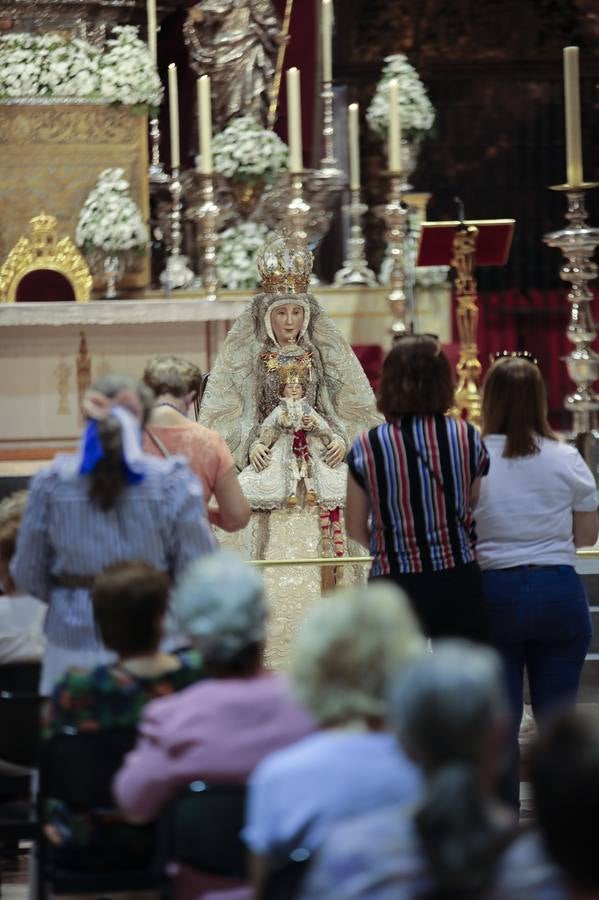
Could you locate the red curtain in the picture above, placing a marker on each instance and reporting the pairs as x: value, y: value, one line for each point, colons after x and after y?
x: 535, y: 321
x: 301, y: 52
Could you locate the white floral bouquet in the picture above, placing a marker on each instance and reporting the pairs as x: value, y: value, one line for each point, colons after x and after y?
x: 110, y: 220
x: 416, y: 110
x: 246, y: 151
x: 236, y: 255
x: 127, y: 71
x: 49, y: 65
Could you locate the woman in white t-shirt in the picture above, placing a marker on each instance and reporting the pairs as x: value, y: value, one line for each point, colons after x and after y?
x: 537, y: 504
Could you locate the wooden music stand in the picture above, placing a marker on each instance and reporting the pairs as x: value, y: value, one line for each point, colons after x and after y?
x: 464, y: 245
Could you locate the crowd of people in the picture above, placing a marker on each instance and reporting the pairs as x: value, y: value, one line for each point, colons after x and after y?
x: 384, y: 763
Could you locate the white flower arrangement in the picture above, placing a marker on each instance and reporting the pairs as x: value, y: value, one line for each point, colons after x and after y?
x: 110, y: 220
x: 236, y: 255
x: 416, y: 110
x: 246, y: 151
x: 127, y: 71
x: 49, y: 65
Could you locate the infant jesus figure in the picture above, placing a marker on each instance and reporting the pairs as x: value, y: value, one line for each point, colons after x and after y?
x: 295, y: 436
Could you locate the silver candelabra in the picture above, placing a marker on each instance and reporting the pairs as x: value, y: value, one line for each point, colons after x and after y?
x: 298, y: 210
x: 355, y: 268
x: 578, y: 241
x: 207, y: 217
x: 177, y: 273
x: 329, y: 167
x: 156, y: 173
x: 395, y: 216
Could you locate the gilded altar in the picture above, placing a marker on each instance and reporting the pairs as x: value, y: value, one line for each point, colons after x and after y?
x: 50, y: 157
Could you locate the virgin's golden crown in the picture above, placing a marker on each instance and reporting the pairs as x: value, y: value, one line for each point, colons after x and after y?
x: 285, y: 265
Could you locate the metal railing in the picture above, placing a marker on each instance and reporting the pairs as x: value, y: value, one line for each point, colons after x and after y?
x: 587, y: 553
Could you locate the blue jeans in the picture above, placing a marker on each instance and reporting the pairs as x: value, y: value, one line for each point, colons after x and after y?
x: 539, y: 620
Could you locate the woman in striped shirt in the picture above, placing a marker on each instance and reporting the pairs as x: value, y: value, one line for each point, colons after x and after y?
x: 411, y: 487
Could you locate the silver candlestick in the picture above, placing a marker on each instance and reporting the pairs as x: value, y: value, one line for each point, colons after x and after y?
x: 156, y: 173
x: 177, y: 273
x: 578, y: 241
x: 329, y: 167
x: 355, y: 268
x: 207, y: 217
x: 298, y: 210
x: 395, y: 215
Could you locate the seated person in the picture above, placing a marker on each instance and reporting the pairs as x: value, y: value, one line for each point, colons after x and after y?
x: 129, y: 603
x: 451, y: 715
x: 221, y: 729
x: 349, y: 646
x: 564, y: 772
x: 21, y: 615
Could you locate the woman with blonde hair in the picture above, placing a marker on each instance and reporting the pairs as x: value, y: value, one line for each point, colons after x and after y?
x: 344, y: 655
x: 538, y: 503
x: 177, y: 384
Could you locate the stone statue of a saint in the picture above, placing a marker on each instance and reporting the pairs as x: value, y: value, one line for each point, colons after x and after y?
x: 236, y: 43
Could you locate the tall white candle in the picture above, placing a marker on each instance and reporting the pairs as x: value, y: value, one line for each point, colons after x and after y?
x: 353, y: 121
x: 152, y: 28
x: 326, y: 33
x: 294, y: 120
x: 394, y: 128
x: 572, y: 104
x: 205, y: 123
x: 173, y: 108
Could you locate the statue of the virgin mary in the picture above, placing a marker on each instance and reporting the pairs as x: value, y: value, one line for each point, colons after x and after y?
x: 245, y: 388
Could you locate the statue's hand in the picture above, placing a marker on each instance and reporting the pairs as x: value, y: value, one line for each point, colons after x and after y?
x: 260, y: 457
x: 335, y: 453
x: 196, y: 15
x: 308, y: 423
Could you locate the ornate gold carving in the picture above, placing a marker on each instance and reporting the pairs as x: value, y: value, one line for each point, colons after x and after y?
x: 467, y: 395
x: 63, y: 375
x: 40, y: 249
x: 84, y: 372
x: 50, y: 158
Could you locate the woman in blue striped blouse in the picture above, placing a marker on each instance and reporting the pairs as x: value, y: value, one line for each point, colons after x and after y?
x: 411, y: 487
x: 109, y: 503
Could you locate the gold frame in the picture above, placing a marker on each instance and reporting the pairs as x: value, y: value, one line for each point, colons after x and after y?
x: 40, y: 249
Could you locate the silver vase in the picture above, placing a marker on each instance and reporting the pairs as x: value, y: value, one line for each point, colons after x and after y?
x: 112, y: 267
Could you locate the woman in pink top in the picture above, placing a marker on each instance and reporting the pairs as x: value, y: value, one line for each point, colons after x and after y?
x: 220, y: 729
x: 177, y: 385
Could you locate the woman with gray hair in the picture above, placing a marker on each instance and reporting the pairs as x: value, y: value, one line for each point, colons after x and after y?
x: 221, y: 728
x: 451, y: 716
x: 345, y: 652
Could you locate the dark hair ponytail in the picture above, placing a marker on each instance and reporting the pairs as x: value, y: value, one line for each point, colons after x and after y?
x: 108, y: 478
x: 459, y: 840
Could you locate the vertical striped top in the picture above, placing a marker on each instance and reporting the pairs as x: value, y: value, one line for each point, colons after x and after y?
x: 419, y: 521
x: 162, y: 521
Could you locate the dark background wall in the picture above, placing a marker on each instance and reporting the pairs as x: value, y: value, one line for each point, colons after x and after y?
x: 493, y: 69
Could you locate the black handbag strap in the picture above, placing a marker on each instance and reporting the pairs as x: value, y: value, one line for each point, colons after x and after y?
x: 157, y: 443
